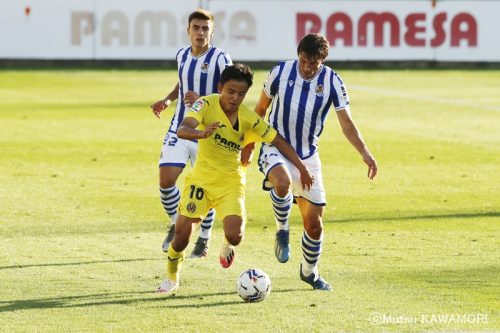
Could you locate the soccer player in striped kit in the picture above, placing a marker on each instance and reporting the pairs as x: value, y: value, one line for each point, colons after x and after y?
x: 199, y: 66
x: 301, y: 93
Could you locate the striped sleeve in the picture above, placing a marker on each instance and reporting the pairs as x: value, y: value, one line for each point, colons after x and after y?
x: 272, y: 83
x: 339, y: 96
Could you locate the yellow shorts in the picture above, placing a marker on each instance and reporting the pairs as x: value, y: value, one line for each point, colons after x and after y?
x: 196, y: 201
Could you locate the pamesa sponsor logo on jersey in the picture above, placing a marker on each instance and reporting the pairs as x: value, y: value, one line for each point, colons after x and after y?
x: 227, y: 144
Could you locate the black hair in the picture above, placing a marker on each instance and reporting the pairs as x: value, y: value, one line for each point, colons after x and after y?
x: 237, y: 72
x: 314, y: 45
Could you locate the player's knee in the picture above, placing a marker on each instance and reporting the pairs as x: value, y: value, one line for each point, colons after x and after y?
x: 314, y: 230
x: 282, y: 185
x: 166, y: 181
x: 179, y: 243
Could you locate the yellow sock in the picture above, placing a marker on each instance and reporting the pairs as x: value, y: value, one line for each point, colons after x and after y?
x: 174, y: 261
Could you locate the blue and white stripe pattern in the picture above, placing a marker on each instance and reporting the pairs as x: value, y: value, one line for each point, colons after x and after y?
x: 300, y: 107
x: 199, y: 74
x: 170, y: 200
x: 206, y: 224
x: 311, y: 249
x: 282, y: 208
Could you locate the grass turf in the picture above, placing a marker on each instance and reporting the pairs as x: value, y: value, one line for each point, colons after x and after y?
x: 81, y: 225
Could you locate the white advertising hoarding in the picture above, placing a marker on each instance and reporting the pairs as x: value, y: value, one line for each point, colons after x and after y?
x: 362, y: 30
x: 251, y: 30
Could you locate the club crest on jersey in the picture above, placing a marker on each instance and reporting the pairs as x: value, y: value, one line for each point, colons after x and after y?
x: 319, y: 90
x: 191, y: 207
x: 198, y: 105
x: 290, y: 83
x: 204, y: 67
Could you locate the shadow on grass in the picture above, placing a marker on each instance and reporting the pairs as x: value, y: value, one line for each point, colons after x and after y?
x: 121, y: 299
x: 415, y: 217
x: 77, y: 263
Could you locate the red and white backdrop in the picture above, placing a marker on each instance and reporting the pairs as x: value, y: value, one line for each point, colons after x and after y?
x: 252, y: 30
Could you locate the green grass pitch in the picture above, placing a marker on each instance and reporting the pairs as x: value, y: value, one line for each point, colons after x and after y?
x: 81, y: 225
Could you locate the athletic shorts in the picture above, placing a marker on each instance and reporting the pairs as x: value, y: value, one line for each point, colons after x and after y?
x: 270, y: 157
x: 196, y: 201
x: 177, y: 152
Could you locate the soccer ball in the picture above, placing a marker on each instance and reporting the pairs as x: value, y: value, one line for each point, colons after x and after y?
x: 253, y: 285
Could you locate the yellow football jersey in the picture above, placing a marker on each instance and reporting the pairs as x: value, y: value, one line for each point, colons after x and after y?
x: 218, y: 164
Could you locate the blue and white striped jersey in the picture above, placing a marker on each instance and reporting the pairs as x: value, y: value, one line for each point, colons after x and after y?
x: 299, y: 107
x: 199, y: 74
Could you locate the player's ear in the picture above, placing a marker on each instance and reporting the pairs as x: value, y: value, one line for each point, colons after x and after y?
x: 219, y: 87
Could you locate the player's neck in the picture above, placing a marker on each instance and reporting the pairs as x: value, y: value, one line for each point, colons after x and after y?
x: 308, y: 77
x: 198, y: 51
x: 232, y: 116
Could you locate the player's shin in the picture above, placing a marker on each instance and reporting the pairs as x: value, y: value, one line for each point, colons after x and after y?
x: 170, y: 200
x: 311, y: 251
x: 174, y: 262
x: 282, y: 208
x: 206, y: 224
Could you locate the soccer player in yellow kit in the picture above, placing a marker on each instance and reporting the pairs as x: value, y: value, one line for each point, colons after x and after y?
x: 223, y: 125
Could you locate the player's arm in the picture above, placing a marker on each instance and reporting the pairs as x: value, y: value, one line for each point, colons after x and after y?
x: 187, y: 129
x: 162, y: 104
x: 190, y: 98
x: 263, y: 104
x: 306, y: 177
x: 352, y: 134
x: 260, y: 109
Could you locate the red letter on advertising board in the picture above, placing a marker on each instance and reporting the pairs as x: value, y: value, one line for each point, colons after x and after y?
x: 378, y: 21
x: 469, y: 34
x: 412, y: 29
x: 304, y: 19
x: 437, y: 23
x: 345, y: 33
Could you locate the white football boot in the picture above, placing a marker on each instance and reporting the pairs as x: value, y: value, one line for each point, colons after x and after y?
x: 167, y: 287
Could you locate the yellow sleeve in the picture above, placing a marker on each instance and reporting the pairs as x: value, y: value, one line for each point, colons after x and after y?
x: 197, y: 111
x: 260, y: 130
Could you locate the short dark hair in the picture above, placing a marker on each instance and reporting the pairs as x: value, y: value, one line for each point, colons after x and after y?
x: 200, y: 14
x: 237, y: 72
x: 314, y: 45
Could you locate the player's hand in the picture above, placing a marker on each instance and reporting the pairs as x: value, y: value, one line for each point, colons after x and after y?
x: 159, y: 106
x: 247, y: 154
x: 372, y: 164
x: 190, y: 98
x: 306, y: 179
x: 209, y: 130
